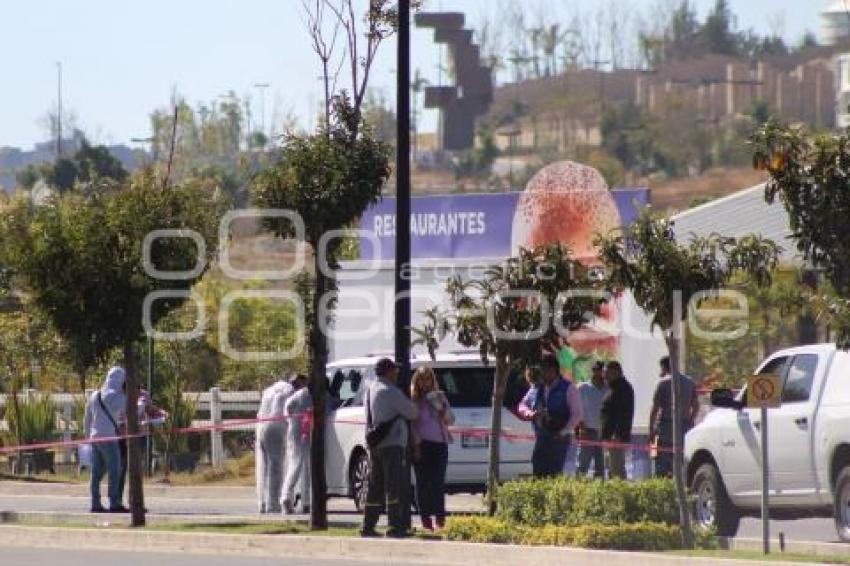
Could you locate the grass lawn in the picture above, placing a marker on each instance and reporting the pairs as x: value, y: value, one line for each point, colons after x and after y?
x: 774, y: 556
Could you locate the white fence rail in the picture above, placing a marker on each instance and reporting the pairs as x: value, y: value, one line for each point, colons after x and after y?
x: 214, y: 402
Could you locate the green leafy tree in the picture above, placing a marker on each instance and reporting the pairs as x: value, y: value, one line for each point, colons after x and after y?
x: 718, y: 32
x: 329, y: 179
x: 664, y: 275
x: 775, y: 312
x: 631, y: 135
x: 80, y: 258
x: 380, y: 116
x: 501, y: 316
x: 807, y: 176
x: 89, y: 164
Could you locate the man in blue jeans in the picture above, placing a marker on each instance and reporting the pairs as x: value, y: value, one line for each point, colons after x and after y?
x: 104, y: 410
x: 554, y: 408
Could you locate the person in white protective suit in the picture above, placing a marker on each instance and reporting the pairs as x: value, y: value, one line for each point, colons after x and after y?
x: 298, y: 410
x: 270, y: 445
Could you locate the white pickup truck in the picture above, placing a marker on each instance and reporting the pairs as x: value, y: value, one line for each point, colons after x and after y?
x: 808, y: 444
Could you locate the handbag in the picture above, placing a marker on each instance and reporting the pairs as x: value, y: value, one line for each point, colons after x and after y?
x: 377, y: 433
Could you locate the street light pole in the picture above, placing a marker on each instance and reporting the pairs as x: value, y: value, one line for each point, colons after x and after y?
x: 402, y: 236
x: 402, y: 249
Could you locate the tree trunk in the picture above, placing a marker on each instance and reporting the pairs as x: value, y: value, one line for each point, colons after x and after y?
x: 318, y: 391
x: 499, y: 381
x: 134, y: 461
x: 678, y: 452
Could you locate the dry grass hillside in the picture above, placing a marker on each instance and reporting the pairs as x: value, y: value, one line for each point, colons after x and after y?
x: 670, y: 194
x: 680, y: 194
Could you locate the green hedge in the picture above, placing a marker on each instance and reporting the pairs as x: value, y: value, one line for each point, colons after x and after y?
x: 637, y: 536
x: 575, y: 502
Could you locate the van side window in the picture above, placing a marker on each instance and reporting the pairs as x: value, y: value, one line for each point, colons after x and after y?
x: 799, y: 379
x: 350, y: 387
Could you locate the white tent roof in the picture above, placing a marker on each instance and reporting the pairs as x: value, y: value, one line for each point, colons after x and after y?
x: 740, y: 214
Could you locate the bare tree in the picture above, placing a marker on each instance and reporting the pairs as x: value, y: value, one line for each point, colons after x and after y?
x: 314, y: 11
x: 618, y: 22
x: 489, y: 35
x: 363, y: 39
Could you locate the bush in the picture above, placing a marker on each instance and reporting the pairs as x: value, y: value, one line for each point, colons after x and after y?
x: 636, y: 536
x: 574, y: 502
x: 30, y: 421
x: 480, y: 529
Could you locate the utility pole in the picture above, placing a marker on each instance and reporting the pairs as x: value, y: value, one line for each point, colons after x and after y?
x: 59, y: 109
x: 402, y: 243
x: 262, y: 88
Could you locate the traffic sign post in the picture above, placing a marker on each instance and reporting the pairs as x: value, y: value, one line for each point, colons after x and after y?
x: 765, y: 488
x: 764, y: 391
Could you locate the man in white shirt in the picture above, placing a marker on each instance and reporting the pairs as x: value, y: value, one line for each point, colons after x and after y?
x: 591, y: 394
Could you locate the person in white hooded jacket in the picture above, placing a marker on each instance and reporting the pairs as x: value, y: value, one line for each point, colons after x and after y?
x: 270, y: 446
x: 104, y: 410
x: 297, y: 411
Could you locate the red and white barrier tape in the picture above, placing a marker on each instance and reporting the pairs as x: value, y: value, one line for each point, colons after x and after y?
x: 306, y: 423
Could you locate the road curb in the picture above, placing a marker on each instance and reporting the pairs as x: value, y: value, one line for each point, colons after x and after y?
x: 324, y: 548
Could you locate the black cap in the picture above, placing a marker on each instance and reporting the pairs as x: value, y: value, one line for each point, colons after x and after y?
x: 599, y: 365
x: 384, y: 366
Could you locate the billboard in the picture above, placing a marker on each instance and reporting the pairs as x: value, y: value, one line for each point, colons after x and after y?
x: 489, y: 225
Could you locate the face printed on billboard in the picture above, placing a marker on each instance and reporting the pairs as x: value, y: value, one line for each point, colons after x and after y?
x: 565, y: 202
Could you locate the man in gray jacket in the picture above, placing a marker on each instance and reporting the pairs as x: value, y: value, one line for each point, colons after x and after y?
x: 104, y: 410
x: 386, y: 403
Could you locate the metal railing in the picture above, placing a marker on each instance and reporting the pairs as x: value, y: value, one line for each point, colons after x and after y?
x: 214, y: 402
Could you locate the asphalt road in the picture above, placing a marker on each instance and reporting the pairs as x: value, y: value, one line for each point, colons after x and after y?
x: 190, y: 503
x: 818, y: 530
x: 26, y: 556
x: 177, y: 502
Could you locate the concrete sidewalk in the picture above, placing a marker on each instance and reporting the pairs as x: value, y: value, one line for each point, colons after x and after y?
x: 325, y: 548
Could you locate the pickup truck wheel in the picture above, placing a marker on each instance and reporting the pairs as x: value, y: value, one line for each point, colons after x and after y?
x: 842, y: 505
x: 359, y: 479
x: 712, y: 507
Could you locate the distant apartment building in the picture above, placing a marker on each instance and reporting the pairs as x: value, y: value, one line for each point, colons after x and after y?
x: 559, y: 112
x: 799, y: 88
x: 563, y: 112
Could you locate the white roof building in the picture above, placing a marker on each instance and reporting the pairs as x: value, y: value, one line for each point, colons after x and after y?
x: 739, y: 214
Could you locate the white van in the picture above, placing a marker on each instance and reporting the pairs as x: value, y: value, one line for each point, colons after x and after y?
x: 468, y: 384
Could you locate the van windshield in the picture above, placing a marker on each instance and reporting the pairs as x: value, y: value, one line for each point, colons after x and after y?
x: 472, y: 387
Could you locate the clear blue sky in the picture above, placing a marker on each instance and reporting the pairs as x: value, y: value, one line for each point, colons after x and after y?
x: 122, y: 59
